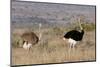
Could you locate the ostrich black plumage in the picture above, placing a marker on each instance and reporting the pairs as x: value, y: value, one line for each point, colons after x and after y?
x: 73, y: 36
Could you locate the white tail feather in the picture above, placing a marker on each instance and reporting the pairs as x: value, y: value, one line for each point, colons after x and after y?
x: 27, y: 46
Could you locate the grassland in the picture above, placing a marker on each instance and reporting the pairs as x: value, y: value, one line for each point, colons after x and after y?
x: 52, y: 49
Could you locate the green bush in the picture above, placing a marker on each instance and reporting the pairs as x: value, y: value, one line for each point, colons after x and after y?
x: 16, y: 41
x: 88, y: 26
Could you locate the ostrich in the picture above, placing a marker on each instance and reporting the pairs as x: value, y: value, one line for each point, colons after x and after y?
x: 74, y: 36
x: 30, y: 38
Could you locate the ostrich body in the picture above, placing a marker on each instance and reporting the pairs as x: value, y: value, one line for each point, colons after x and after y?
x: 29, y: 39
x: 73, y: 36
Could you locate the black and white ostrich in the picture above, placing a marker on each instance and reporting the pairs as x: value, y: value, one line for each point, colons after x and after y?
x: 74, y: 36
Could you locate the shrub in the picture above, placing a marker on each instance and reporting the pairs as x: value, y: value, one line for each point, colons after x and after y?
x: 88, y: 26
x: 16, y: 41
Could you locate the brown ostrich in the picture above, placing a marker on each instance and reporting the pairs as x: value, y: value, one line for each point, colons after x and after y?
x: 30, y: 38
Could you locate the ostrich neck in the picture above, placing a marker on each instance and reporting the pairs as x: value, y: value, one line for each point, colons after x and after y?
x: 80, y: 25
x: 40, y: 34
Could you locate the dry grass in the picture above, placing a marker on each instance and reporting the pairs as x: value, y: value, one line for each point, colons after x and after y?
x: 52, y: 49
